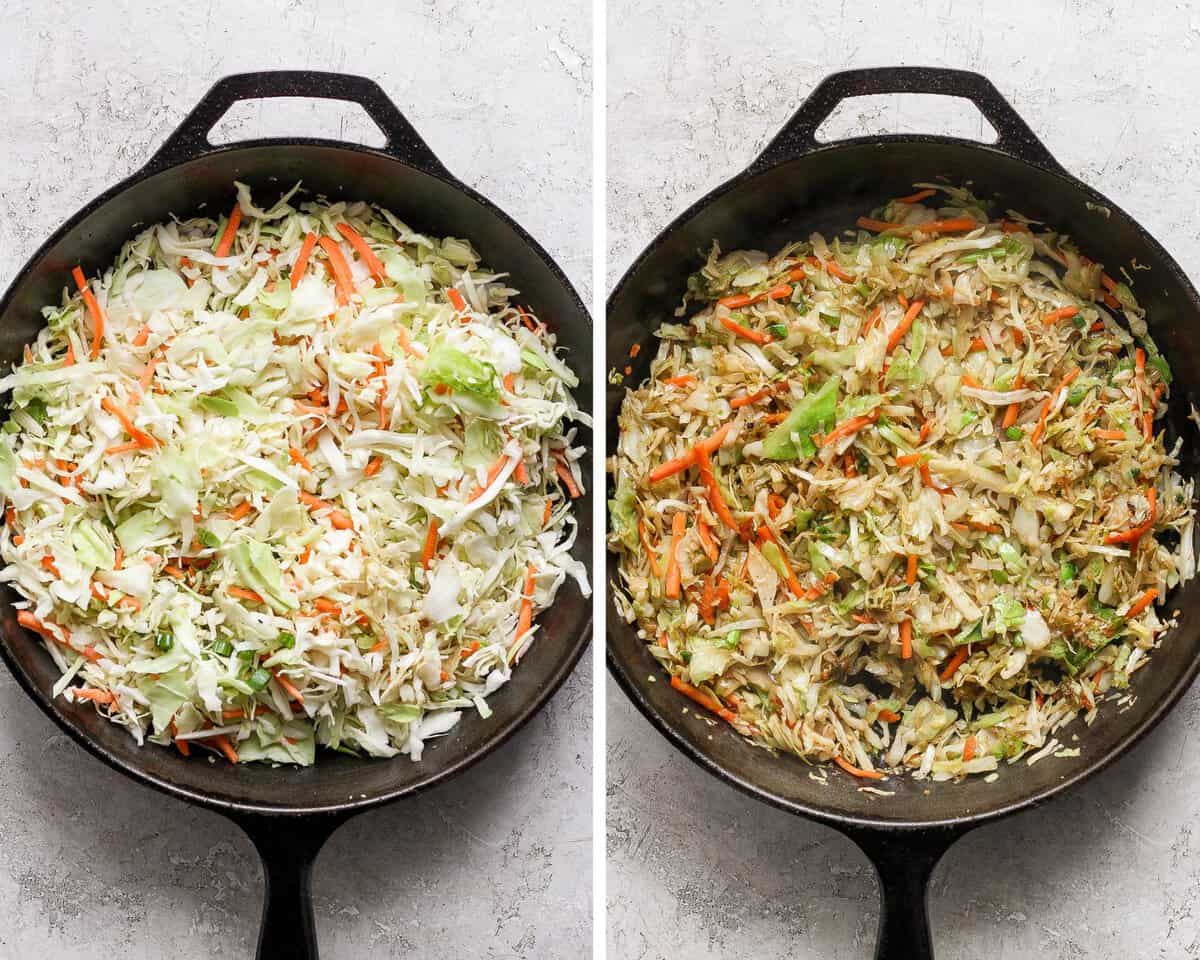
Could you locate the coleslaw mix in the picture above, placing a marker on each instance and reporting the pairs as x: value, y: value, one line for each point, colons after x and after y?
x: 899, y: 500
x: 296, y: 476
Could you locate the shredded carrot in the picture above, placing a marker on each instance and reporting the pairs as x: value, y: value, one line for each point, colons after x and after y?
x: 968, y: 752
x: 456, y: 300
x: 906, y: 321
x: 405, y: 342
x: 927, y: 479
x: 373, y: 466
x: 431, y: 543
x: 96, y: 696
x: 363, y: 250
x: 916, y: 197
x: 672, y: 580
x: 635, y: 350
x: 976, y: 525
x: 1136, y: 533
x: 299, y: 458
x: 48, y: 564
x: 872, y: 320
x: 122, y: 448
x: 933, y: 226
x: 241, y: 593
x: 1013, y: 409
x: 342, y: 278
x: 906, y: 647
x: 564, y: 474
x: 231, y: 227
x: 706, y: 540
x: 739, y: 300
x: 847, y: 428
x: 956, y: 661
x: 970, y: 381
x: 143, y: 439
x: 708, y: 702
x: 142, y: 336
x: 240, y: 510
x: 525, y: 614
x: 1141, y: 603
x: 685, y: 380
x: 745, y: 332
x: 856, y: 771
x: 745, y: 401
x: 765, y: 533
x: 1062, y: 313
x: 325, y: 605
x: 174, y: 571
x: 829, y: 266
x: 775, y: 504
x: 1109, y: 434
x: 337, y: 519
x: 651, y: 553
x: 715, y: 498
x: 910, y: 573
x: 118, y: 559
x: 889, y: 716
x: 909, y: 459
x: 301, y: 264
x: 94, y: 311
x: 546, y: 510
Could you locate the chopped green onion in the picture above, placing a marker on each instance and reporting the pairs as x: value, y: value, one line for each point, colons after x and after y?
x: 259, y: 678
x: 286, y: 639
x: 164, y: 642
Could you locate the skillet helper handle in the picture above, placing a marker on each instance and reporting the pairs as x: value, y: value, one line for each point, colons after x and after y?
x: 288, y: 846
x: 1013, y: 135
x: 904, y: 863
x: 190, y: 140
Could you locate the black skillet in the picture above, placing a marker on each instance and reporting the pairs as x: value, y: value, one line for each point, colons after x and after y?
x: 798, y: 185
x: 289, y: 813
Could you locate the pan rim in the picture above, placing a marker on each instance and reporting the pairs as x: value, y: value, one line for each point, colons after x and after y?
x: 630, y: 685
x: 580, y: 640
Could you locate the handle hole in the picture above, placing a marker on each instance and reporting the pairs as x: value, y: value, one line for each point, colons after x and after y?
x: 932, y: 113
x: 296, y: 117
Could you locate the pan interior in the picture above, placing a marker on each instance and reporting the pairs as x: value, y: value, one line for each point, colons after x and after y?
x: 826, y: 191
x: 427, y: 204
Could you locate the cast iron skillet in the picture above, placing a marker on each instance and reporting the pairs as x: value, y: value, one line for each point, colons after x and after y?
x: 289, y: 813
x: 798, y: 185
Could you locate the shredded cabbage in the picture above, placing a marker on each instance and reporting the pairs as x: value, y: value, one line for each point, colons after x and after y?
x: 254, y: 517
x: 921, y: 471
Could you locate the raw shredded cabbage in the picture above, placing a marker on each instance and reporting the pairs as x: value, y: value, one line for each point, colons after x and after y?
x: 267, y: 511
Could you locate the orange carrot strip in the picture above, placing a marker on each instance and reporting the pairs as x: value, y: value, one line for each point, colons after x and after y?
x: 122, y: 448
x: 744, y: 401
x: 1013, y: 409
x: 916, y: 197
x: 872, y: 320
x: 739, y: 300
x: 325, y: 605
x: 374, y: 265
x: 856, y: 771
x: 848, y: 427
x: 927, y: 479
x: 1109, y: 434
x: 905, y: 322
x: 933, y: 226
x: 373, y: 466
x: 745, y: 332
x: 521, y: 472
x: 240, y: 510
x: 96, y: 696
x: 644, y: 535
x: 1062, y: 313
x: 299, y: 458
x: 706, y: 540
x: 910, y: 573
x: 831, y: 268
x: 1136, y: 533
x: 909, y: 459
x: 94, y: 310
x: 141, y: 336
x: 456, y: 300
x: 684, y: 380
x: 889, y: 716
x: 231, y: 227
x: 301, y: 264
x: 241, y: 593
x: 525, y: 614
x: 431, y: 543
x: 672, y: 584
x: 968, y: 752
x: 343, y: 279
x: 715, y: 499
x: 564, y: 474
x: 1141, y: 603
x: 956, y: 661
x: 906, y: 647
x: 174, y: 571
x: 708, y: 702
x: 144, y: 439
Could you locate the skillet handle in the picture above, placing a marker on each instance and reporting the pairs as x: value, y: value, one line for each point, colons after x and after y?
x: 288, y: 846
x: 904, y: 863
x: 190, y: 140
x: 1013, y: 135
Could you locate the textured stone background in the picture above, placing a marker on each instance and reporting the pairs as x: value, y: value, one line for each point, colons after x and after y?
x: 695, y: 90
x: 496, y: 864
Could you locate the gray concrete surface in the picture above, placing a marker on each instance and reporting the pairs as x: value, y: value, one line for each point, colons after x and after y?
x: 496, y: 864
x: 695, y: 90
